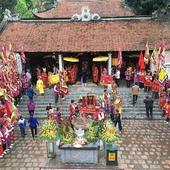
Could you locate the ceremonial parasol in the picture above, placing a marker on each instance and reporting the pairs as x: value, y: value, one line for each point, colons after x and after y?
x: 71, y: 59
x: 47, y: 56
x: 100, y: 58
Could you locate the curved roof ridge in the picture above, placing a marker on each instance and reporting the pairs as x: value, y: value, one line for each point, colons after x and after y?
x: 105, y: 8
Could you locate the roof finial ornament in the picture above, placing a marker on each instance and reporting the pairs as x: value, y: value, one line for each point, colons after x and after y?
x: 85, y: 15
x: 9, y: 16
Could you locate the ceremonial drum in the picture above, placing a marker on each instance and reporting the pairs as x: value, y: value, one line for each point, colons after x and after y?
x: 53, y: 79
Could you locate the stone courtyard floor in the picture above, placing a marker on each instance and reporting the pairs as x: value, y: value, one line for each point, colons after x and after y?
x: 144, y: 145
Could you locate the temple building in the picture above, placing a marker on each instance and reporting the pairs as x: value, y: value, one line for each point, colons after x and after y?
x: 80, y: 31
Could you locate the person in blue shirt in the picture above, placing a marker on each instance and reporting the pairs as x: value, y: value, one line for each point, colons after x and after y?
x: 33, y: 123
x: 22, y: 125
x: 30, y: 93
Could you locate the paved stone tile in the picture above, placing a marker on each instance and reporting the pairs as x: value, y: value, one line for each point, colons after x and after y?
x: 143, y: 145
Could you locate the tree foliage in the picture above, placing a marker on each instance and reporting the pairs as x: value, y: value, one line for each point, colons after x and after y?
x: 7, y: 4
x: 22, y: 8
x: 146, y: 7
x: 30, y: 4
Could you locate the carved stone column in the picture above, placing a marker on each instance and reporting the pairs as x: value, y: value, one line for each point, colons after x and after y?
x: 60, y: 60
x: 109, y: 66
x: 109, y: 63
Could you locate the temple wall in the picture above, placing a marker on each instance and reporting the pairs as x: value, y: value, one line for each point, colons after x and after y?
x: 167, y: 56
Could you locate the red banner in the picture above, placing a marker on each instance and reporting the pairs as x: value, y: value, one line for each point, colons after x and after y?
x: 106, y: 79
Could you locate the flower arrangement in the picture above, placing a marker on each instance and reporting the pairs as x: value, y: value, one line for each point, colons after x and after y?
x: 108, y: 132
x: 67, y: 133
x: 93, y: 131
x: 50, y: 130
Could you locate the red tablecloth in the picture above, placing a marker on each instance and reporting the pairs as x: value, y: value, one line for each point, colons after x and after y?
x: 92, y: 111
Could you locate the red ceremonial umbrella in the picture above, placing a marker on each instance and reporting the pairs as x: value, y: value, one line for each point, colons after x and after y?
x: 141, y: 62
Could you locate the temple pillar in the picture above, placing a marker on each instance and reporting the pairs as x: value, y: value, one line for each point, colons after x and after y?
x: 109, y: 63
x: 60, y: 60
x: 109, y: 67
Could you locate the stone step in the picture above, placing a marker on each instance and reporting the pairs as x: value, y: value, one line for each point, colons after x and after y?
x: 124, y: 116
x: 129, y: 111
x: 66, y: 107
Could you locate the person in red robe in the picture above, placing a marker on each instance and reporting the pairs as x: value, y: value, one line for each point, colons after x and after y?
x: 73, y: 75
x: 72, y: 108
x: 148, y: 81
x: 142, y: 78
x: 1, y: 144
x: 128, y: 77
x: 95, y: 75
x: 84, y: 101
x: 44, y: 77
x: 166, y: 110
x: 106, y: 97
x: 155, y: 88
x: 162, y: 100
x: 38, y: 71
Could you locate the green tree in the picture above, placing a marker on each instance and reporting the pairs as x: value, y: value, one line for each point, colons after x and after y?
x: 147, y: 7
x: 7, y: 4
x: 22, y: 8
x: 30, y: 4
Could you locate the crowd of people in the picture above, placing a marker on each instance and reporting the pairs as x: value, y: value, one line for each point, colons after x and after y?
x: 111, y: 103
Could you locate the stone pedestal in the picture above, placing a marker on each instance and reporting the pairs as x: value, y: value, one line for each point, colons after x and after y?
x: 51, y: 152
x: 87, y: 154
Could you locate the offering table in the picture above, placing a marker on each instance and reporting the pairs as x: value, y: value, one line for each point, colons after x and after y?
x: 86, y: 154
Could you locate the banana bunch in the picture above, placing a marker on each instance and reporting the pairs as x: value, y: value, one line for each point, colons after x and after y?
x: 91, y: 134
x: 49, y: 130
x: 108, y: 132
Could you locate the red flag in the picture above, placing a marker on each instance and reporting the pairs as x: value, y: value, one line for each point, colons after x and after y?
x: 23, y: 56
x: 106, y: 79
x: 119, y: 58
x: 141, y: 62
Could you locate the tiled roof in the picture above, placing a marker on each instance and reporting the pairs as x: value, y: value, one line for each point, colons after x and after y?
x: 105, y: 8
x: 95, y: 36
